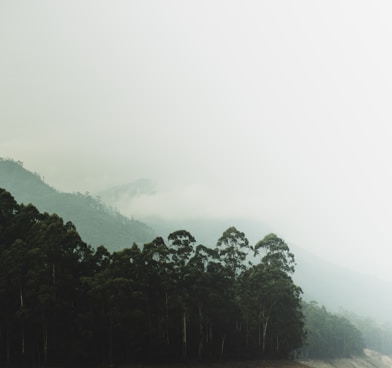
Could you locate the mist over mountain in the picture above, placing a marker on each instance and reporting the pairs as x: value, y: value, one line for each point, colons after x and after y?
x: 123, y: 192
x: 340, y: 288
x: 330, y: 284
x: 99, y: 222
x: 96, y: 222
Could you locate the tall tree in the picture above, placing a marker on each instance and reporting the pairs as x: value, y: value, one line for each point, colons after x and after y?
x: 272, y: 299
x: 233, y: 249
x: 181, y: 245
x: 63, y: 302
x: 329, y: 335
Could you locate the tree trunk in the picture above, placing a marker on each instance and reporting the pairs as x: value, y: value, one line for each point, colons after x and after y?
x: 23, y: 329
x: 21, y: 297
x: 23, y: 340
x: 200, y: 334
x: 184, y: 342
x: 247, y: 333
x: 54, y: 282
x: 8, y: 345
x: 209, y: 334
x: 110, y: 342
x: 167, y: 318
x: 264, y: 321
x: 265, y: 325
x: 45, y: 342
x: 223, y: 345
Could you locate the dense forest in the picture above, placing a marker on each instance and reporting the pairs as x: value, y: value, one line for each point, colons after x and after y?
x: 329, y: 335
x: 65, y: 302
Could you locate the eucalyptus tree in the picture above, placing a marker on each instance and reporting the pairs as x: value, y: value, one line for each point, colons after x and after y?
x: 203, y: 285
x: 8, y: 209
x: 156, y: 274
x: 270, y: 298
x: 25, y: 267
x: 65, y: 255
x: 20, y: 265
x: 94, y: 316
x: 275, y: 253
x: 17, y: 265
x: 233, y: 249
x: 181, y: 246
x: 42, y: 261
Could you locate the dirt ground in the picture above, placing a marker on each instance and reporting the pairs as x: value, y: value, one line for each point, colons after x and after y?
x: 371, y: 359
x: 232, y: 364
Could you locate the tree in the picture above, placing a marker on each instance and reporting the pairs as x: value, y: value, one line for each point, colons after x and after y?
x: 276, y: 253
x: 270, y: 298
x: 8, y: 209
x: 63, y: 302
x: 203, y: 284
x: 233, y: 249
x: 157, y: 271
x: 181, y: 250
x: 329, y: 335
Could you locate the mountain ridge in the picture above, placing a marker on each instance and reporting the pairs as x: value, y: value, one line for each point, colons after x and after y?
x: 96, y: 222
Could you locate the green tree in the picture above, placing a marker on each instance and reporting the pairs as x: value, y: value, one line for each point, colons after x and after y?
x: 270, y: 299
x: 329, y: 335
x: 63, y: 302
x: 233, y: 249
x: 181, y: 245
x: 276, y: 253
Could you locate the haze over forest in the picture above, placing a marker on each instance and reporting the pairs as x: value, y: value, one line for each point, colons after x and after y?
x: 134, y: 298
x: 98, y: 222
x: 269, y: 112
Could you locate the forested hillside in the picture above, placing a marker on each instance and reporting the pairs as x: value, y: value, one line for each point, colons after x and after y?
x: 61, y: 301
x: 376, y: 336
x: 329, y: 335
x: 64, y: 302
x: 96, y: 222
x: 356, y: 290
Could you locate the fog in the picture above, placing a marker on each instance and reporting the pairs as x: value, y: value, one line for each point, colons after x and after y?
x: 274, y: 111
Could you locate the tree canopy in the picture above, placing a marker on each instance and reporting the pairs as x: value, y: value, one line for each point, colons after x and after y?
x: 329, y: 335
x: 64, y: 302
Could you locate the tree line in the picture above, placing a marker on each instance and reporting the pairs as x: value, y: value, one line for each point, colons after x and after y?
x: 376, y: 336
x: 329, y: 335
x: 64, y: 302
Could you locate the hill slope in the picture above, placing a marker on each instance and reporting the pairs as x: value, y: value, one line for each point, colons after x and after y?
x: 339, y: 288
x: 96, y: 223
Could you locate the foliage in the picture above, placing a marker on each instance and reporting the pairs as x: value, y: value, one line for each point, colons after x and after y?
x: 330, y: 335
x: 64, y: 302
x: 376, y: 336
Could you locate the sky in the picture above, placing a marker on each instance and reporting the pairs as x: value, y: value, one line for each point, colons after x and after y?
x: 277, y: 111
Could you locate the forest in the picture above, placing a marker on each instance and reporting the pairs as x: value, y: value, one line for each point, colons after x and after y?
x: 63, y: 302
x: 329, y: 335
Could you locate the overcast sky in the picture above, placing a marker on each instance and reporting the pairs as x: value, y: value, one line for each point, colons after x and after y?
x: 278, y: 111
